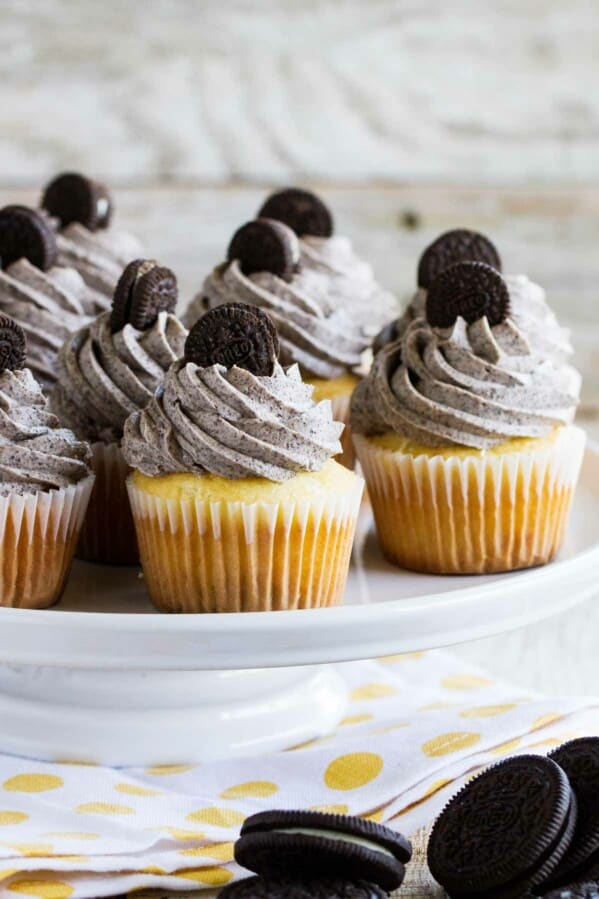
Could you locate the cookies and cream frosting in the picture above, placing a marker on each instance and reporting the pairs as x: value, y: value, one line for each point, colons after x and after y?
x: 105, y: 376
x: 48, y: 305
x: 322, y: 337
x: 36, y: 453
x: 233, y: 423
x: 99, y: 257
x: 469, y: 385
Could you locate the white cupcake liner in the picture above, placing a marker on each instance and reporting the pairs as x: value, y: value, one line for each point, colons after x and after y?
x: 108, y: 532
x: 475, y: 514
x: 38, y: 535
x: 202, y: 556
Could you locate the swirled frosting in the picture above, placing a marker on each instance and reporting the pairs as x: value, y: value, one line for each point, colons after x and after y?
x: 530, y: 312
x: 232, y: 423
x: 104, y: 377
x: 321, y: 337
x: 99, y: 257
x: 48, y: 306
x: 36, y: 453
x: 471, y: 385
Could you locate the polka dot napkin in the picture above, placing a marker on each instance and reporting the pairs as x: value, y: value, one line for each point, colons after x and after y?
x: 419, y: 725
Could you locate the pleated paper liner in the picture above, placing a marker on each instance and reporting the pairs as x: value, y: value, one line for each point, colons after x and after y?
x: 108, y: 532
x: 473, y: 514
x: 202, y: 556
x: 38, y: 535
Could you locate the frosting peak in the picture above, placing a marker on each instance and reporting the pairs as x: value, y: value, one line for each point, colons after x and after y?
x: 35, y: 452
x: 232, y: 423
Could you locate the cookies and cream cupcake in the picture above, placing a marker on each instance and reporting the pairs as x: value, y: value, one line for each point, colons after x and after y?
x: 464, y: 435
x: 107, y: 370
x: 529, y: 309
x: 46, y: 299
x: 237, y: 500
x: 264, y: 269
x: 45, y: 484
x: 86, y: 241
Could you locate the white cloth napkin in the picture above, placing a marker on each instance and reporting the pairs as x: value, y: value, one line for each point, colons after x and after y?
x: 419, y: 725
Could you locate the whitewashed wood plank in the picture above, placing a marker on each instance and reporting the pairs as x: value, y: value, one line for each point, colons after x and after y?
x: 333, y: 89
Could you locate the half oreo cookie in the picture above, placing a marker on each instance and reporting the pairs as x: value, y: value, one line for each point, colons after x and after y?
x: 144, y: 290
x: 286, y: 844
x: 265, y: 245
x: 300, y: 210
x: 472, y: 290
x: 26, y: 234
x: 257, y: 888
x: 13, y: 345
x: 459, y: 245
x: 505, y: 832
x: 72, y: 197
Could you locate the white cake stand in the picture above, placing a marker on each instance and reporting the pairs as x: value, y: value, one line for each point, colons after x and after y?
x: 105, y: 678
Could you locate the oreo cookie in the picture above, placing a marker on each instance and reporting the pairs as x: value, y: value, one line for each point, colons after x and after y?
x: 583, y: 890
x: 459, y: 245
x: 143, y: 291
x: 13, y: 345
x: 580, y: 760
x: 300, y: 210
x: 470, y: 290
x: 26, y: 234
x: 506, y: 831
x: 72, y: 197
x: 286, y: 844
x: 257, y: 888
x: 265, y: 245
x: 234, y: 334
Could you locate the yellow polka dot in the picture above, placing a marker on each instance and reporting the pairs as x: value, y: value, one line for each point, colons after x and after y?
x: 73, y: 835
x: 180, y: 834
x: 551, y: 741
x: 372, y: 691
x: 390, y: 727
x: 251, y: 788
x: 222, y: 852
x: 73, y: 859
x: 435, y: 786
x: 31, y: 850
x: 348, y: 772
x: 212, y: 876
x: 403, y: 657
x: 355, y: 719
x: 506, y: 748
x: 331, y: 809
x: 43, y: 889
x: 12, y: 817
x: 32, y: 783
x: 437, y: 706
x: 465, y: 682
x: 163, y: 770
x: 445, y: 744
x: 218, y: 817
x: 135, y: 790
x: 152, y: 869
x: 377, y: 816
x: 104, y: 808
x: 544, y: 720
x: 488, y: 711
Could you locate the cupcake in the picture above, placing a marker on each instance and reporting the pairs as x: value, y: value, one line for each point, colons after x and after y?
x: 529, y: 309
x: 238, y: 503
x: 315, y: 331
x: 82, y: 210
x: 47, y: 300
x: 464, y: 435
x: 107, y: 370
x: 45, y: 484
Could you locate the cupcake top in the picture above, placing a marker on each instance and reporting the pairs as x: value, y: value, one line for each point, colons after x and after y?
x: 82, y: 209
x: 465, y: 374
x: 529, y: 309
x: 264, y: 270
x: 229, y: 408
x: 48, y: 301
x: 36, y: 453
x: 112, y: 367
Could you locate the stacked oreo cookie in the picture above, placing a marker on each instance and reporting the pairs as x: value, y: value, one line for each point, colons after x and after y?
x: 527, y: 826
x: 306, y: 854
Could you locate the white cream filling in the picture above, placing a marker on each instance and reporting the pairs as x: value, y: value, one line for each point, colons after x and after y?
x: 337, y: 836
